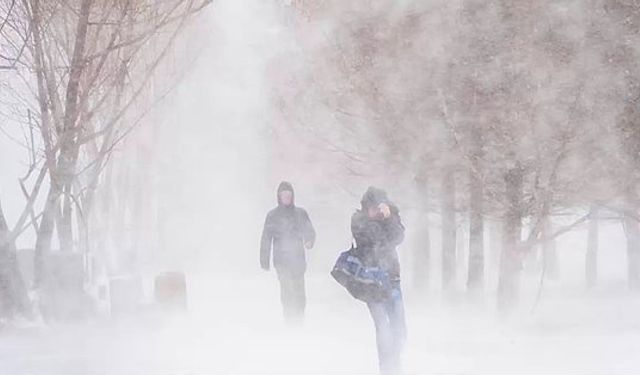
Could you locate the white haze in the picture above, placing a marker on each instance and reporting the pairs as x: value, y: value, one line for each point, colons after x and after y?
x: 213, y: 171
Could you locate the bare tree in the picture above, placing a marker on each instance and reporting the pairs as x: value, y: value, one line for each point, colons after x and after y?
x: 87, y: 66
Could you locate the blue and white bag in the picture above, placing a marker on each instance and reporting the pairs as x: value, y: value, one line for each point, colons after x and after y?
x: 368, y: 284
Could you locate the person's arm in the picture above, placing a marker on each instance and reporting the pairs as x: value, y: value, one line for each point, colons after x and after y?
x: 358, y: 229
x: 394, y: 229
x: 265, y: 243
x: 309, y: 233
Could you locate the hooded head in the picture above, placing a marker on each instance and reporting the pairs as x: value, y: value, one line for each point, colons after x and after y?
x: 285, y: 187
x: 373, y: 197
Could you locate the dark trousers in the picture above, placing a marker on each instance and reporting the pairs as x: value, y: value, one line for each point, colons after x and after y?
x: 388, y: 317
x: 292, y: 296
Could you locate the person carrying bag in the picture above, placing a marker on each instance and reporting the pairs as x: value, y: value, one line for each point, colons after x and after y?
x: 370, y: 272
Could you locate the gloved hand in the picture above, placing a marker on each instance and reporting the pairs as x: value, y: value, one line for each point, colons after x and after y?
x: 385, y: 210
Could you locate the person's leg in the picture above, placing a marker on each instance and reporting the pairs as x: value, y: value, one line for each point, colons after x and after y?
x: 286, y: 294
x: 394, y: 308
x: 397, y: 319
x: 384, y: 336
x: 299, y: 296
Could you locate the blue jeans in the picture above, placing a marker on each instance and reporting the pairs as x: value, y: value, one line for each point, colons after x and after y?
x: 391, y: 330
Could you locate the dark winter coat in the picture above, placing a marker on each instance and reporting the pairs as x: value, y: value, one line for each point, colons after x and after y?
x: 287, y: 228
x: 377, y: 239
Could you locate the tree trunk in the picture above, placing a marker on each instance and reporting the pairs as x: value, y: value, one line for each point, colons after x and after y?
x: 633, y: 250
x: 495, y: 249
x: 13, y: 292
x: 106, y: 201
x: 45, y: 234
x: 121, y: 218
x: 549, y: 254
x: 511, y: 256
x: 462, y: 240
x: 64, y: 171
x: 475, y: 277
x: 65, y: 224
x: 422, y: 250
x: 475, y: 274
x: 591, y: 261
x: 422, y: 260
x: 448, y: 230
x: 68, y: 139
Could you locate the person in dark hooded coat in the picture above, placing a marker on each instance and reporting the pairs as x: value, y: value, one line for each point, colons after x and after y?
x: 378, y: 230
x: 288, y: 230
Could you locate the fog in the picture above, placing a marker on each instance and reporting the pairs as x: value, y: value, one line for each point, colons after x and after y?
x: 537, y: 104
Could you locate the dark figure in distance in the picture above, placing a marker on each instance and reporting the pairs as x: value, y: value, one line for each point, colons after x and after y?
x: 289, y: 229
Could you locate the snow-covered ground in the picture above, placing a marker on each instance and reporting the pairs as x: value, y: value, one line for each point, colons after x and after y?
x: 234, y: 327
